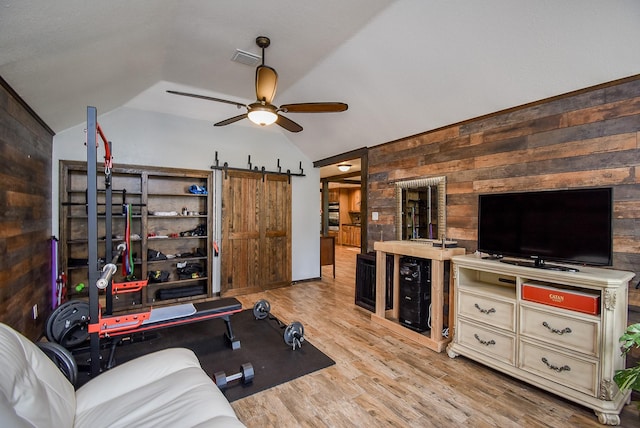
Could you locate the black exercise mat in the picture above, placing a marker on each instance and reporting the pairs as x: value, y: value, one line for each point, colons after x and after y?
x: 262, y: 345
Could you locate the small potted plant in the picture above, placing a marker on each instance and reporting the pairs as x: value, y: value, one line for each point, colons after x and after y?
x: 629, y: 378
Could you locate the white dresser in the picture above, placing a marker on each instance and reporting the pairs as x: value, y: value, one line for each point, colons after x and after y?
x: 566, y: 352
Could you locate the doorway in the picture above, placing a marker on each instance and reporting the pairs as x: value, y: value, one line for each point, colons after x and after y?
x: 343, y: 184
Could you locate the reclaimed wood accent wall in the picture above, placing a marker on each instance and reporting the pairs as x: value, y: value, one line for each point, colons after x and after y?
x: 26, y: 145
x: 588, y: 138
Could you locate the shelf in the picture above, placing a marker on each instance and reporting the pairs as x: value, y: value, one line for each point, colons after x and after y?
x: 439, y: 257
x: 172, y: 195
x: 151, y: 189
x: 179, y: 282
x: 176, y: 238
x: 114, y: 240
x: 176, y: 260
x: 182, y: 217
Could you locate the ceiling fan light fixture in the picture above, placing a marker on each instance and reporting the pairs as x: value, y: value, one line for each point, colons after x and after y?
x: 262, y: 115
x: 262, y: 112
x: 344, y: 167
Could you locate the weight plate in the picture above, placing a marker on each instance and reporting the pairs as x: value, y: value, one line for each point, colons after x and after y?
x: 294, y: 334
x: 52, y: 320
x: 67, y: 325
x: 220, y: 379
x: 62, y: 359
x: 247, y: 373
x: 261, y: 309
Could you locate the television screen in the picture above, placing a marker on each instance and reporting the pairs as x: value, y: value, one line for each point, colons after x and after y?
x: 573, y: 226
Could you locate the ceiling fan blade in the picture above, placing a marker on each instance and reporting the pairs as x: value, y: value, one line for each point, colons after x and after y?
x: 266, y: 83
x: 204, y: 97
x: 314, y: 107
x: 230, y: 120
x: 288, y: 124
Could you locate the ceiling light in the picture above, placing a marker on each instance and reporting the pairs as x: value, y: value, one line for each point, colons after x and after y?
x: 344, y: 167
x: 262, y: 115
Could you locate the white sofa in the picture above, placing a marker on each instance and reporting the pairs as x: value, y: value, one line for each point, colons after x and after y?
x: 163, y: 389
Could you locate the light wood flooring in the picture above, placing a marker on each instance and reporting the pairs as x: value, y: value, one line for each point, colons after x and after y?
x: 383, y: 380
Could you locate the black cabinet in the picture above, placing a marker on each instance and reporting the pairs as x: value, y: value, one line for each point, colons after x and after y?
x: 366, y: 281
x: 415, y: 293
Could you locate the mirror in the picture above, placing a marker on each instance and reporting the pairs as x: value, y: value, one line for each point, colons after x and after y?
x: 421, y: 208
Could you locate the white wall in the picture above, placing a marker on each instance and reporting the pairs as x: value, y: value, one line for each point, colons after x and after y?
x: 146, y: 138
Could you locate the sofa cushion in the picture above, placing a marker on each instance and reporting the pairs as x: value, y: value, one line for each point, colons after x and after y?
x: 163, y: 389
x: 33, y: 392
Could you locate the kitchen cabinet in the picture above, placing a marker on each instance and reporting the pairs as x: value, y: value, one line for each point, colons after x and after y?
x: 355, y: 197
x: 350, y: 235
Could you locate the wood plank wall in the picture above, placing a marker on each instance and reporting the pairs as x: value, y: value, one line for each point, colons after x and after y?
x: 586, y: 138
x: 26, y: 145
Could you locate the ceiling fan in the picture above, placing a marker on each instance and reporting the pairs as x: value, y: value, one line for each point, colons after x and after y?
x: 262, y: 112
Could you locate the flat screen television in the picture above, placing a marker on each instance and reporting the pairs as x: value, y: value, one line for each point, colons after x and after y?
x: 573, y: 226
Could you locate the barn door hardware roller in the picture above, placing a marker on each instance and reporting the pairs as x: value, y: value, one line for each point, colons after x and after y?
x: 293, y: 332
x: 253, y: 168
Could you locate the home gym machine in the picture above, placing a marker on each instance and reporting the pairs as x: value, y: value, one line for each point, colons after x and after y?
x: 293, y: 333
x: 71, y: 323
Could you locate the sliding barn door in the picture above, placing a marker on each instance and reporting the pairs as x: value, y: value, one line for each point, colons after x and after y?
x: 276, y: 260
x: 256, y: 232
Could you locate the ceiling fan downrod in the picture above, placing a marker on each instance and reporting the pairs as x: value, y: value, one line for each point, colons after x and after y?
x: 263, y: 42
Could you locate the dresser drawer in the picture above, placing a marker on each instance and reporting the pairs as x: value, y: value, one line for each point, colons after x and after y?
x: 497, y: 313
x: 573, y: 372
x: 574, y: 333
x: 499, y: 345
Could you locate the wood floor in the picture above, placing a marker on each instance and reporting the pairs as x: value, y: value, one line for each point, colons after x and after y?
x: 383, y: 380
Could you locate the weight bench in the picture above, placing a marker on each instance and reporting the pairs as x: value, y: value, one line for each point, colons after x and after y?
x: 69, y: 324
x: 170, y: 316
x: 166, y: 317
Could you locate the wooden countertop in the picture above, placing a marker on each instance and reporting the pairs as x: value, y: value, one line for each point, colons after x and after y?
x: 424, y: 250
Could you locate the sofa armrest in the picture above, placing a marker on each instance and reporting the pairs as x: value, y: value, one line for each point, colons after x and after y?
x: 166, y: 388
x: 133, y: 375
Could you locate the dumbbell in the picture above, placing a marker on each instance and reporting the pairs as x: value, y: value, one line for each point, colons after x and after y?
x: 245, y: 375
x: 293, y: 333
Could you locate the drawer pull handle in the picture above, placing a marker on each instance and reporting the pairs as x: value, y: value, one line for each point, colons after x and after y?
x: 555, y: 330
x: 484, y: 342
x: 485, y: 311
x: 564, y: 368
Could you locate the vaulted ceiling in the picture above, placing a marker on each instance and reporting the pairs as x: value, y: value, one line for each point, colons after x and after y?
x: 403, y: 66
